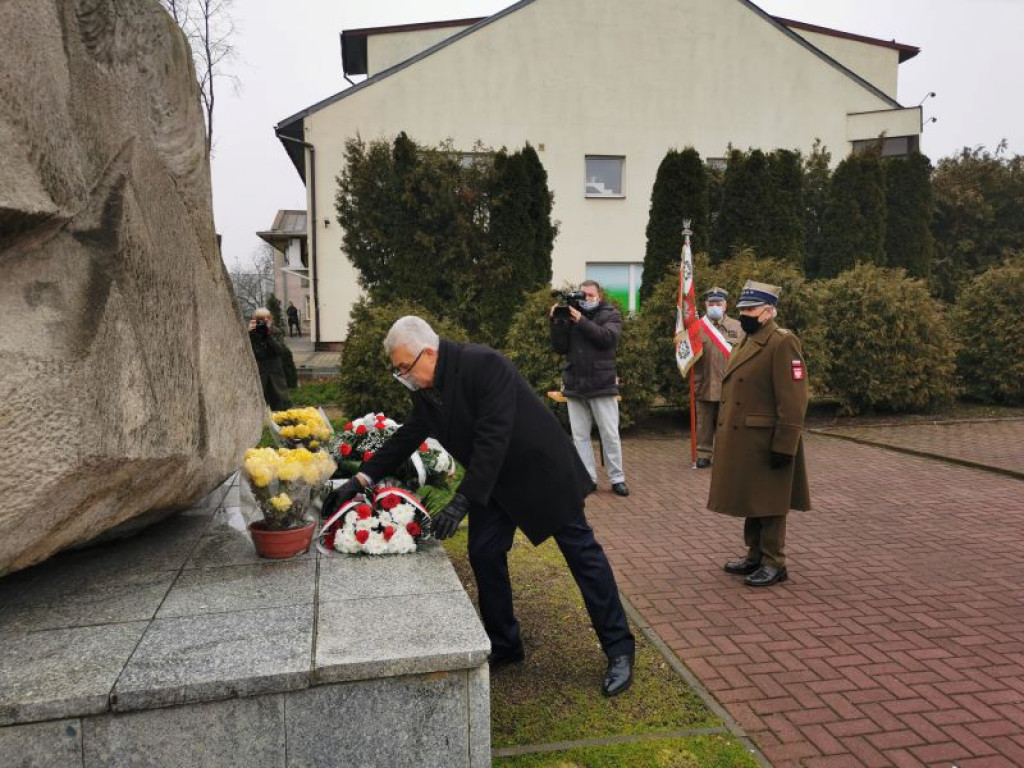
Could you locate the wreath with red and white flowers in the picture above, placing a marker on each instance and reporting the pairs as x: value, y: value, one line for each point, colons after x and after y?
x: 391, y: 521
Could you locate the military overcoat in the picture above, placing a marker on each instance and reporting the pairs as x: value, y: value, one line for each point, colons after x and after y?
x: 710, y: 368
x: 762, y: 409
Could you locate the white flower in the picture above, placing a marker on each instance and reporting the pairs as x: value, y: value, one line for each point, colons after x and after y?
x: 403, y: 514
x: 384, y: 516
x: 376, y: 545
x: 345, y: 541
x: 401, y: 542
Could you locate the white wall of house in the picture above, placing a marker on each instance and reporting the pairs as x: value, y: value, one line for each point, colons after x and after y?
x: 387, y: 49
x: 876, y: 64
x: 578, y: 78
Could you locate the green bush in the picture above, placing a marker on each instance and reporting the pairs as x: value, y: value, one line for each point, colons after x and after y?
x: 365, y: 382
x: 636, y: 374
x: 991, y: 357
x: 891, y: 347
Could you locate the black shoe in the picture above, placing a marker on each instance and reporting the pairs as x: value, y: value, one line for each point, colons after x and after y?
x: 703, y: 463
x: 765, y: 576
x: 620, y: 489
x: 741, y: 567
x: 503, y: 658
x: 619, y: 675
x: 592, y: 488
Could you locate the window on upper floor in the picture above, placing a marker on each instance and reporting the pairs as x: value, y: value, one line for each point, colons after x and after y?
x: 604, y: 176
x: 892, y: 146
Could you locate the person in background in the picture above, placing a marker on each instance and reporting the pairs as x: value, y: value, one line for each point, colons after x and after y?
x: 269, y: 350
x: 759, y: 471
x: 719, y: 340
x: 588, y: 337
x: 293, y: 320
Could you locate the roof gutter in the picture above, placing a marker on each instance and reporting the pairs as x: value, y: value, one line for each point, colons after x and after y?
x: 314, y: 272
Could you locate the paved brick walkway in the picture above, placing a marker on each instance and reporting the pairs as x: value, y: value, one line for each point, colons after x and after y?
x: 993, y: 443
x: 899, y: 639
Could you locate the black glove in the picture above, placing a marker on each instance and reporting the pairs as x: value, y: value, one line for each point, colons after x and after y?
x: 343, y: 493
x: 779, y: 460
x: 448, y: 519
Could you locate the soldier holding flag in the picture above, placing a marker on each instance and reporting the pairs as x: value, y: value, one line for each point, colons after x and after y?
x: 720, y: 334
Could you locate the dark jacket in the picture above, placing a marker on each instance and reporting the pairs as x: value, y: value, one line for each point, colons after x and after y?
x: 516, y: 454
x: 590, y: 346
x: 269, y: 350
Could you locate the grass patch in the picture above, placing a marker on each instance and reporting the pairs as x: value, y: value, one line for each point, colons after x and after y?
x: 325, y: 392
x: 710, y: 751
x: 555, y: 694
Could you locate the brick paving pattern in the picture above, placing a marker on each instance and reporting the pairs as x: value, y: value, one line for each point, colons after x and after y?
x: 897, y: 641
x: 993, y: 443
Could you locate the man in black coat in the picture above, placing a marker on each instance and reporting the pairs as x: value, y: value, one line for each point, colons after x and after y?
x: 521, y: 471
x: 587, y: 334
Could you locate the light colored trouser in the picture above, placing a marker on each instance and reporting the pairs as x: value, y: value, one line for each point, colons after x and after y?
x: 583, y: 412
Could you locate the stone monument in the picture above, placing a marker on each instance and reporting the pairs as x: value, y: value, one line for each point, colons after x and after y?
x: 127, y: 384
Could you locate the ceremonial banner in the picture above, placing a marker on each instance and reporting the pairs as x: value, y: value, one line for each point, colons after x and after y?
x: 687, y: 338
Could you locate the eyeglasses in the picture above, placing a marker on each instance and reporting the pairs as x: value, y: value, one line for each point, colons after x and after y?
x: 399, y: 374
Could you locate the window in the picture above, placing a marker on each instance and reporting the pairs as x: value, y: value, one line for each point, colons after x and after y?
x: 716, y: 163
x: 620, y: 282
x: 892, y: 146
x: 604, y: 176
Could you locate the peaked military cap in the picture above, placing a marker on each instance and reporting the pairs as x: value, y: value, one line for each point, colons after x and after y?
x: 754, y: 294
x: 716, y: 294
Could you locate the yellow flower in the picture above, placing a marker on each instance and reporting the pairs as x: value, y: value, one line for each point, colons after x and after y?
x: 261, y: 475
x: 289, y: 471
x: 282, y: 502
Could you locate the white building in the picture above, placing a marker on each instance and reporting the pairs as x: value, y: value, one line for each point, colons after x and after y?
x: 602, y: 90
x: 287, y: 235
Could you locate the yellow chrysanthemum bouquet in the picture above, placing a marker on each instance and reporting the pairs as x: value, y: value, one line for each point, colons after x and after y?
x: 281, y: 479
x: 305, y: 427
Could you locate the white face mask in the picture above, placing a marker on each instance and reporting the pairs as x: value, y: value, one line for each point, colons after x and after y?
x: 716, y: 313
x: 589, y: 305
x: 408, y: 384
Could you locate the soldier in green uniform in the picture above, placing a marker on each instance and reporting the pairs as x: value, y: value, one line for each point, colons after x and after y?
x: 759, y: 471
x: 708, y: 371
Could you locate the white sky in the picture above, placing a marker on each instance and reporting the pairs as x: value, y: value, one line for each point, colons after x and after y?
x: 290, y: 58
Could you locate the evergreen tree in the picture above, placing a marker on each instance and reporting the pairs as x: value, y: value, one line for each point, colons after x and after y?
x: 908, y: 234
x: 853, y: 231
x: 540, y: 202
x: 680, y: 192
x: 744, y: 218
x: 816, y: 178
x: 785, y: 222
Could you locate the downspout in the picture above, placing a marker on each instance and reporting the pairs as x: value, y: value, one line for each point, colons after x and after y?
x: 312, y: 232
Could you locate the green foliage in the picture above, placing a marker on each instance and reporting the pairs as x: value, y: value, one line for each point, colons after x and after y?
x: 853, y: 230
x: 680, y: 192
x: 986, y: 318
x: 816, y: 178
x: 318, y: 392
x: 365, y: 382
x: 908, y: 195
x: 892, y: 349
x: 636, y: 374
x: 979, y: 214
x: 274, y: 305
x: 761, y: 206
x: 463, y: 240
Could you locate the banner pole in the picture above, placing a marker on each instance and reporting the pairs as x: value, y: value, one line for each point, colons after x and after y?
x: 693, y: 424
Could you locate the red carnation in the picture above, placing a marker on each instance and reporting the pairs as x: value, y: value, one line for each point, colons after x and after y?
x: 381, y: 426
x: 361, y: 429
x: 413, y: 529
x: 345, y: 449
x: 364, y: 511
x: 389, y: 532
x: 362, y: 536
x: 329, y: 540
x: 367, y: 455
x: 390, y: 502
x: 347, y: 427
x: 424, y: 448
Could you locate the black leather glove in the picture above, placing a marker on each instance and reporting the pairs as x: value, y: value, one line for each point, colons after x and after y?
x: 343, y: 493
x: 779, y: 460
x: 445, y: 523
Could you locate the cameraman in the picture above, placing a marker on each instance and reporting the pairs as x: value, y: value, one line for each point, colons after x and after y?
x: 587, y: 331
x: 268, y: 349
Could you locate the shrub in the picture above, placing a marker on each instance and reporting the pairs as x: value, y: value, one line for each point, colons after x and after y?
x: 365, y: 382
x: 891, y: 348
x: 991, y: 359
x: 636, y: 373
x: 853, y: 227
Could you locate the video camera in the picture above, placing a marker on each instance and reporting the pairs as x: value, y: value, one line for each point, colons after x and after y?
x: 567, y: 299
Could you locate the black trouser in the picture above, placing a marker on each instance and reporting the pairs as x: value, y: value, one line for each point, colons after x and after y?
x: 294, y: 324
x: 491, y: 532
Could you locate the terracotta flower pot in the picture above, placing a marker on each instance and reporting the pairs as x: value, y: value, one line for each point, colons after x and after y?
x: 280, y: 544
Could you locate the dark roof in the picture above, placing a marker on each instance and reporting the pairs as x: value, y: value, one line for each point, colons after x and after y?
x: 292, y: 126
x: 906, y: 51
x: 353, y: 41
